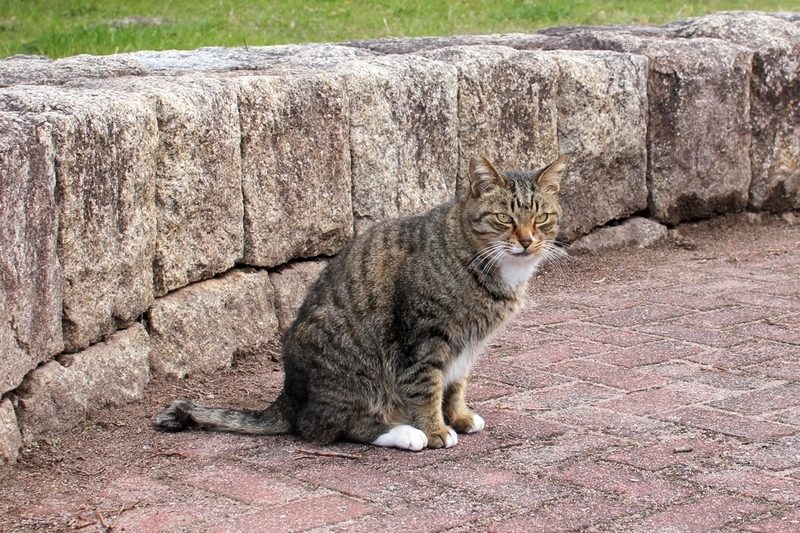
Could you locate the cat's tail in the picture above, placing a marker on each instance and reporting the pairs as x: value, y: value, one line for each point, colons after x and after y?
x: 274, y: 420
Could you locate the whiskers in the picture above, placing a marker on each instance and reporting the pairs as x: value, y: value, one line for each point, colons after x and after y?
x: 554, y: 253
x: 489, y: 257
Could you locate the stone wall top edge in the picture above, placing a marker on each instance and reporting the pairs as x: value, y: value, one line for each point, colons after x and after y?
x: 300, y: 58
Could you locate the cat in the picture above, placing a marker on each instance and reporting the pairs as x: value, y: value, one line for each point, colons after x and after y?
x: 382, y: 347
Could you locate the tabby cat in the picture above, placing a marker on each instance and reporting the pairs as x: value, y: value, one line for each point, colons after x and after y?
x: 383, y: 345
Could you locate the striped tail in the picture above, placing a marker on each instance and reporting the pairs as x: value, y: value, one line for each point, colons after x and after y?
x: 182, y: 415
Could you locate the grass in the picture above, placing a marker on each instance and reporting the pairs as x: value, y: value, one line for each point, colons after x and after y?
x: 59, y: 28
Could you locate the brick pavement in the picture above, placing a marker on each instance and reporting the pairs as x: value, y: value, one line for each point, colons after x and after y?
x: 643, y: 391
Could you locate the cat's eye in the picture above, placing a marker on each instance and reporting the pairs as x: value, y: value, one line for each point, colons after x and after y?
x: 505, y: 219
x: 541, y: 219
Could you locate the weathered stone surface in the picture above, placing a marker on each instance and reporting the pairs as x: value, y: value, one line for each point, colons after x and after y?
x: 635, y: 231
x: 105, y: 145
x: 287, y: 59
x: 602, y: 123
x: 403, y: 135
x: 10, y: 437
x: 291, y: 283
x: 51, y: 399
x: 38, y: 70
x: 58, y: 396
x: 117, y: 370
x: 506, y: 106
x: 295, y: 167
x: 410, y: 45
x: 775, y: 91
x: 698, y: 134
x: 198, y: 189
x: 30, y: 275
x: 201, y: 327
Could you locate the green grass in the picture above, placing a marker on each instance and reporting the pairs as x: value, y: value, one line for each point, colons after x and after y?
x: 59, y: 28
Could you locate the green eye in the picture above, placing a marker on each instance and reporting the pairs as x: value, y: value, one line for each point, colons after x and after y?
x: 505, y: 219
x: 541, y: 219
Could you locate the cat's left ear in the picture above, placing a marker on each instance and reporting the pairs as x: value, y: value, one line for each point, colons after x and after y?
x: 550, y: 178
x: 483, y: 176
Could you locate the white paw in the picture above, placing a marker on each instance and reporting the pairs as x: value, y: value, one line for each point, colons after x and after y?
x: 404, y: 437
x: 452, y: 438
x: 477, y: 423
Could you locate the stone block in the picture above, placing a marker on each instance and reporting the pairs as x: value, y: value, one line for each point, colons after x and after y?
x: 55, y: 396
x: 506, y: 106
x: 295, y: 166
x: 523, y: 108
x: 774, y: 93
x: 698, y: 135
x: 203, y: 326
x: 602, y: 123
x: 10, y: 437
x: 403, y: 135
x: 30, y: 275
x: 38, y: 70
x: 51, y: 399
x: 635, y: 231
x: 105, y: 144
x: 117, y: 370
x: 198, y: 189
x: 291, y: 283
x: 415, y: 45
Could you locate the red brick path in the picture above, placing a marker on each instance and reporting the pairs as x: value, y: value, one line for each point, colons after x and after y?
x: 644, y: 391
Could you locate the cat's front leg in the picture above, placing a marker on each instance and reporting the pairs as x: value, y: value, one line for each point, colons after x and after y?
x: 456, y: 412
x: 424, y: 393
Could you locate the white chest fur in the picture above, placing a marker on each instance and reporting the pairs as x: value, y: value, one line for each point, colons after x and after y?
x: 460, y: 366
x: 516, y: 270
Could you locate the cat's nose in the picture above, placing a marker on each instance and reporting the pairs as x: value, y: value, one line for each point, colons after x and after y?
x: 525, y: 243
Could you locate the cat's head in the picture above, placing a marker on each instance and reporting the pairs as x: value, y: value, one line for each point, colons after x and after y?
x: 513, y: 215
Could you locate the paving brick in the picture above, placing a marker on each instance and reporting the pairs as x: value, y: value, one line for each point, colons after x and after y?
x: 775, y: 332
x: 568, y: 515
x: 642, y: 314
x: 786, y: 523
x: 753, y: 484
x: 650, y: 354
x: 663, y: 455
x: 528, y: 490
x: 299, y: 516
x: 728, y: 423
x: 608, y: 375
x: 691, y: 372
x: 780, y: 454
x: 570, y: 445
x: 481, y: 389
x: 762, y: 401
x: 664, y: 399
x: 562, y: 397
x: 624, y: 482
x: 749, y: 353
x: 700, y: 516
x: 511, y: 372
x: 418, y: 518
x: 611, y: 422
x: 521, y: 424
x: 790, y: 416
x: 602, y: 334
x: 245, y: 485
x: 782, y: 368
x: 366, y: 483
x: 705, y: 337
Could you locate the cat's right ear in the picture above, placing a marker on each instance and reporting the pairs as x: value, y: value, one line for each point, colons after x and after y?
x: 484, y: 177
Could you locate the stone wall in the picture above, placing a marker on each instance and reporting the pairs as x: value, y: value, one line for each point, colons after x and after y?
x: 161, y: 212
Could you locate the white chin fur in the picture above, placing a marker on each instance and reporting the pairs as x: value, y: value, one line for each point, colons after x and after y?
x: 518, y: 268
